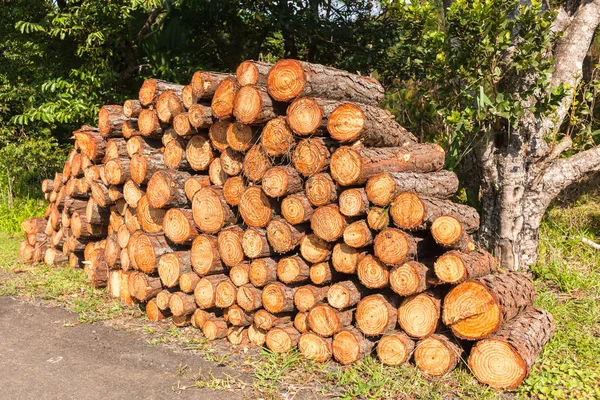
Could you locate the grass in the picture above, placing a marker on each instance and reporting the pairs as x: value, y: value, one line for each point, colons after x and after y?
x: 568, y: 282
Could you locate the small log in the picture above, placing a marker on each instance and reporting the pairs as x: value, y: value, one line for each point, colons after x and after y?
x: 311, y: 156
x: 179, y: 226
x: 218, y: 135
x: 393, y: 246
x: 292, y: 270
x: 210, y: 210
x: 115, y: 148
x: 320, y: 190
x: 448, y: 232
x: 117, y: 171
x: 225, y: 294
x: 149, y: 125
x: 376, y: 314
x: 188, y: 281
x: 188, y: 99
x: 166, y: 189
x: 182, y: 304
x: 154, y: 313
x: 281, y: 181
x: 314, y: 249
x: 252, y: 105
x: 132, y: 108
x: 123, y: 236
x: 200, y: 317
x: 110, y: 120
x: 143, y: 287
x: 143, y: 167
x: 372, y: 273
x: 255, y: 207
x: 115, y: 193
x: 239, y: 274
x: 263, y: 271
x: 345, y: 294
x: 437, y: 355
x: 205, y: 256
x: 216, y: 173
x: 296, y: 209
x: 184, y: 320
x: 411, y: 278
x: 277, y: 297
x: 327, y: 321
x: 328, y: 223
x: 257, y: 336
x: 395, y: 348
x: 308, y: 296
x: 378, y: 218
x: 91, y: 143
x: 255, y: 243
x: 223, y: 99
x: 95, y: 214
x: 112, y: 252
x: 307, y: 116
x: 382, y: 188
x: 358, y: 234
x: 146, y: 250
x: 237, y: 316
x: 505, y: 359
x: 54, y: 257
x: 171, y: 266
x: 233, y: 189
x: 282, y: 339
x: 229, y: 244
x: 345, y: 259
x: 455, y: 267
x: 215, y: 328
x: 140, y: 145
x: 276, y: 138
x: 199, y: 153
x: 284, y: 237
x: 476, y: 309
x: 289, y: 79
x: 350, y: 345
x: 419, y: 315
x: 205, y: 83
x: 256, y: 163
x: 353, y: 202
x: 252, y: 72
x: 182, y: 125
x: 265, y: 320
x: 240, y: 137
x: 195, y: 183
x: 206, y: 290
x: 249, y: 298
x: 152, y: 88
x: 130, y: 129
x: 355, y: 165
x: 199, y: 116
x: 150, y: 219
x: 82, y: 229
x: 315, y: 347
x: 132, y: 193
x: 174, y: 155
x: 301, y: 322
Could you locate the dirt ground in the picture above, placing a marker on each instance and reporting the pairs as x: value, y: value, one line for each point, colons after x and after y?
x: 45, y: 354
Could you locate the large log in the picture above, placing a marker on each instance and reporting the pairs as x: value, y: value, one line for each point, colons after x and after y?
x: 166, y: 189
x: 455, y: 267
x: 149, y: 124
x: 356, y: 164
x: 382, y: 188
x: 282, y: 339
x: 146, y: 250
x: 307, y: 116
x: 437, y: 355
x: 199, y: 153
x: 256, y: 163
x: 210, y: 210
x: 289, y: 79
x: 284, y: 237
x: 168, y: 106
x: 296, y: 208
x: 350, y: 345
x: 353, y: 202
x: 229, y: 244
x: 171, y: 266
x: 475, y: 309
x: 411, y: 211
x: 505, y: 359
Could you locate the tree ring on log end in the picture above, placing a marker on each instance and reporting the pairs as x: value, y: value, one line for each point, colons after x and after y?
x: 346, y: 166
x: 286, y: 80
x: 497, y: 363
x: 346, y: 123
x: 314, y: 347
x: 304, y: 116
x: 407, y: 210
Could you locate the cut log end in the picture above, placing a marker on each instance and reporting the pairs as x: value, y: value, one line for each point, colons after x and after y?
x: 315, y: 347
x: 304, y: 116
x: 286, y: 80
x: 395, y: 349
x: 346, y: 123
x: 436, y: 355
x: 418, y: 315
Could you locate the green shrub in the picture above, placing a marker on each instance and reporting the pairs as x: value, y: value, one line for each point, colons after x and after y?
x: 11, y: 218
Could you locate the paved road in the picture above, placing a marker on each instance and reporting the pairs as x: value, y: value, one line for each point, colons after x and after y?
x: 41, y: 358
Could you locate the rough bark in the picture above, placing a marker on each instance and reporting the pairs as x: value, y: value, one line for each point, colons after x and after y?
x: 382, y: 188
x: 455, y: 267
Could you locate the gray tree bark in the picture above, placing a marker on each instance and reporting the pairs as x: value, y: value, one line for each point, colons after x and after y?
x: 521, y: 178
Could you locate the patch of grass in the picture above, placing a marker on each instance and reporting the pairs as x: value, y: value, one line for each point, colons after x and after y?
x: 11, y: 218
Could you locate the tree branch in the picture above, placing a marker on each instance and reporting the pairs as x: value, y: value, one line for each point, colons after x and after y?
x: 566, y: 171
x: 148, y: 24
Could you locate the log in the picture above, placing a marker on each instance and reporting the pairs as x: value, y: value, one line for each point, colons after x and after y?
x: 110, y: 120
x: 215, y: 328
x: 140, y: 145
x: 132, y: 108
x: 281, y: 181
x: 146, y: 250
x: 378, y: 218
x: 393, y: 246
x: 143, y: 167
x: 152, y: 88
x: 282, y: 339
x: 54, y: 257
x: 284, y: 237
x: 411, y: 278
x: 376, y: 314
x: 96, y: 269
x: 320, y: 190
x: 112, y: 252
x: 252, y: 105
x: 412, y: 212
x: 301, y: 322
x: 225, y: 294
x: 233, y: 189
x: 437, y: 355
x: 327, y: 321
x: 475, y: 309
x: 200, y: 317
x: 373, y: 273
x: 292, y: 270
x: 174, y: 155
x: 94, y: 213
x: 455, y: 267
x: 195, y: 183
x: 188, y: 281
x: 229, y: 244
x: 277, y: 297
x: 255, y: 243
x: 123, y: 236
x: 150, y: 219
x: 255, y: 207
x: 296, y: 209
x: 314, y: 249
x: 130, y: 129
x: 308, y: 296
x: 117, y: 171
x: 171, y: 266
x: 223, y: 99
x: 353, y: 202
x: 205, y: 83
x: 262, y: 271
x: 82, y: 229
x: 184, y: 320
x: 358, y: 234
x: 115, y: 193
x: 505, y: 359
x: 188, y: 99
x: 216, y: 173
x: 448, y: 232
x: 256, y: 163
x: 93, y: 173
x: 356, y: 164
x: 132, y: 193
x: 239, y: 274
x: 210, y: 210
x: 265, y: 320
x: 395, y: 348
x: 115, y: 148
x: 249, y: 298
x: 232, y: 162
x: 182, y: 304
x: 149, y: 125
x: 241, y: 137
x: 143, y: 287
x: 90, y: 142
x: 419, y: 315
x: 311, y: 156
x: 289, y: 79
x: 76, y: 169
x: 154, y: 313
x: 308, y: 116
x: 350, y: 345
x: 199, y: 153
x: 166, y: 189
x: 206, y: 290
x: 179, y: 226
x: 218, y: 135
x: 252, y: 72
x: 80, y: 206
x: 47, y: 185
x: 257, y: 336
x: 328, y: 223
x: 345, y: 294
x: 237, y: 316
x: 382, y: 188
x: 345, y: 259
x: 205, y: 257
x: 33, y: 225
x: 277, y: 138
x: 315, y: 347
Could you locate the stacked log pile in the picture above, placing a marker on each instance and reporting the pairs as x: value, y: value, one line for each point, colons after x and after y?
x: 280, y: 206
